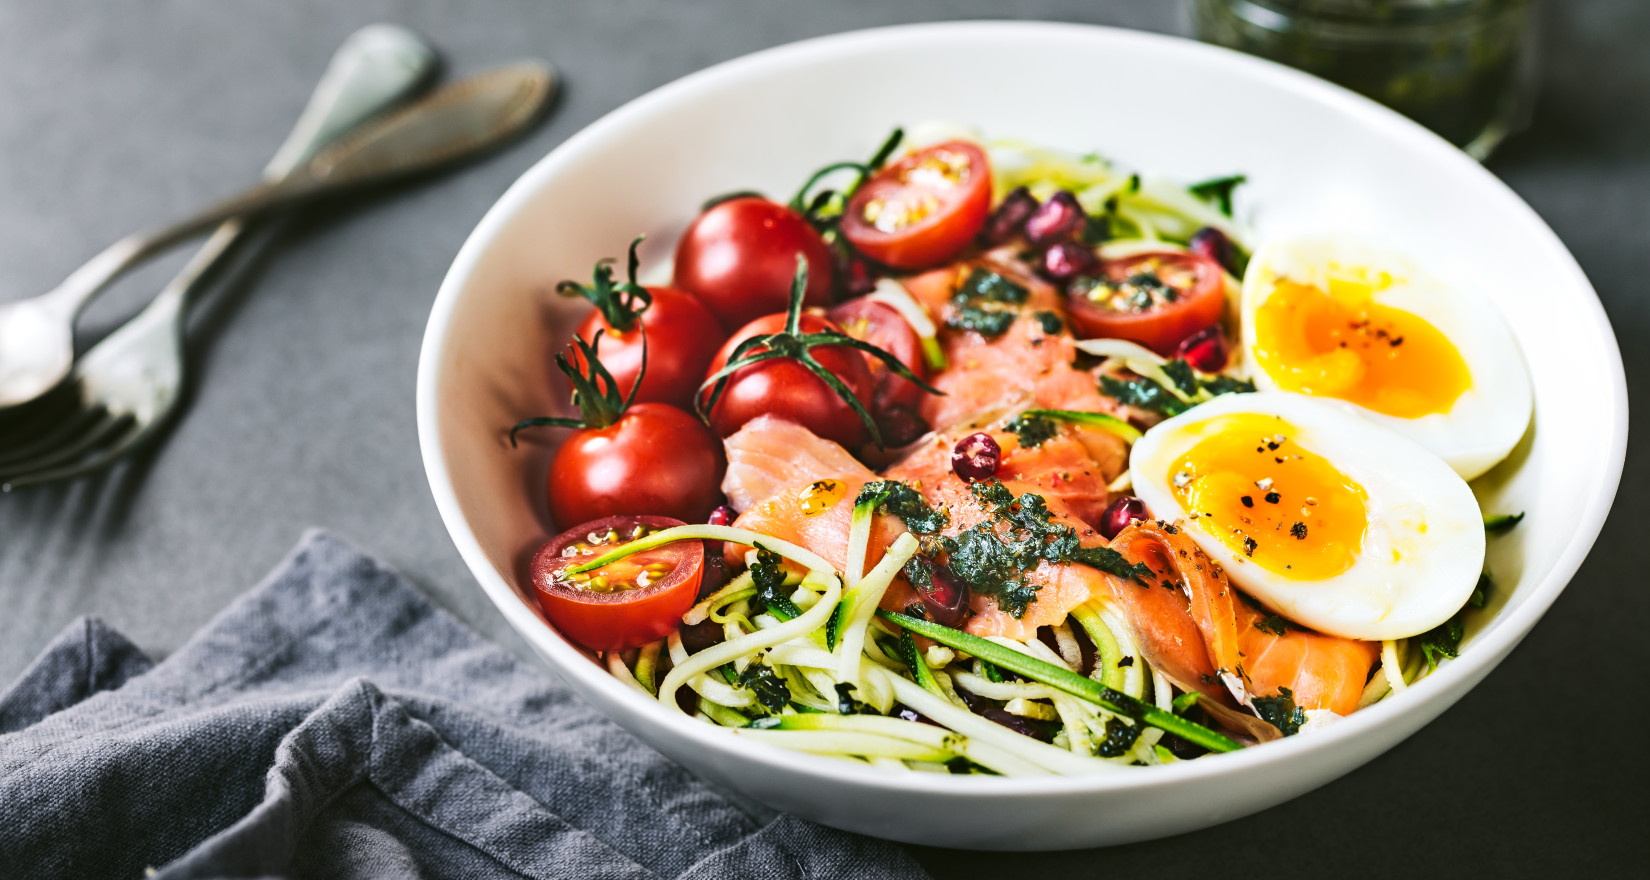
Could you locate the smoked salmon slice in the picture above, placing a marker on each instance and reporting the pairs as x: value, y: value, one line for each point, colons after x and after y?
x: 1196, y: 629
x: 1027, y: 366
x: 771, y: 463
x: 1075, y: 465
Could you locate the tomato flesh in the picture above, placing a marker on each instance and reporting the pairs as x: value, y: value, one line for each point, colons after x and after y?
x: 923, y: 209
x: 882, y: 325
x: 1156, y: 299
x: 626, y: 603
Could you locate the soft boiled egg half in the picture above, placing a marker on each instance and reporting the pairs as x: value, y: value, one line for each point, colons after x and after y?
x: 1338, y: 320
x: 1334, y: 522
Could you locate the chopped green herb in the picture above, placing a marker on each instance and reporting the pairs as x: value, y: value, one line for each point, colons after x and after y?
x: 1033, y: 430
x: 1218, y: 191
x: 1120, y: 737
x: 1443, y: 641
x: 1050, y: 322
x: 989, y: 323
x: 845, y: 702
x: 1502, y: 522
x: 1182, y: 375
x: 769, y: 579
x: 1226, y: 385
x: 769, y: 689
x: 900, y: 500
x: 1272, y: 624
x: 1143, y: 393
x: 1111, y: 562
x: 1481, y: 593
x: 1096, y: 230
x: 987, y: 303
x: 1280, y: 711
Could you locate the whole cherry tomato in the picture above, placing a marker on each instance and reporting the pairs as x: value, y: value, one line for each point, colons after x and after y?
x: 626, y: 603
x: 654, y: 458
x: 1156, y: 299
x: 678, y: 331
x: 682, y: 337
x: 786, y: 388
x: 624, y: 457
x: 739, y: 258
x: 923, y: 209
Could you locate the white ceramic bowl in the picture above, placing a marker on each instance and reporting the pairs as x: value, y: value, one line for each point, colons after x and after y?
x: 1315, y: 155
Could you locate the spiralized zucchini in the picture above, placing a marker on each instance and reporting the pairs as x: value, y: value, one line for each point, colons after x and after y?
x: 846, y: 670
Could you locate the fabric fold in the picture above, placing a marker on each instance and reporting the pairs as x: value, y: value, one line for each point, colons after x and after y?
x: 333, y: 722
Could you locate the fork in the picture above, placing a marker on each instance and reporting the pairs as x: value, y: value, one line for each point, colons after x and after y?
x: 131, y: 379
x: 127, y: 386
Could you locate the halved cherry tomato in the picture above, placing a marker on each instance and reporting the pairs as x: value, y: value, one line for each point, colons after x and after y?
x: 1156, y: 299
x: 923, y: 209
x: 682, y: 337
x: 881, y: 325
x: 654, y: 458
x: 624, y: 604
x: 785, y: 388
x: 739, y: 258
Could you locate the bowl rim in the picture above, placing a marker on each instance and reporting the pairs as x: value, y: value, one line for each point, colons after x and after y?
x: 1475, y: 661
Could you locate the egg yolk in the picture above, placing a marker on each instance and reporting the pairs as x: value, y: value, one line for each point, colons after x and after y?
x: 1289, y: 510
x: 1341, y: 343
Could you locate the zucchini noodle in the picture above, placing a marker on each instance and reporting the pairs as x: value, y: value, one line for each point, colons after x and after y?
x: 717, y: 692
x: 689, y: 667
x: 862, y: 603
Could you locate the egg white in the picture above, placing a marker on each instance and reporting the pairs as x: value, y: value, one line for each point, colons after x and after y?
x: 1488, y: 419
x: 1424, y: 544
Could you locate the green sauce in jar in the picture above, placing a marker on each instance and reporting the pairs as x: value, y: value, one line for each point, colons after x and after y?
x: 1460, y: 67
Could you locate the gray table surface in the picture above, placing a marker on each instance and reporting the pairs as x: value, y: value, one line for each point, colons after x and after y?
x: 114, y: 115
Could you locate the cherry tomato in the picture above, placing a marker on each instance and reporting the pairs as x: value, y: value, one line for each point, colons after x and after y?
x: 785, y: 388
x: 682, y: 337
x: 923, y: 209
x: 1155, y: 299
x: 626, y: 603
x: 654, y: 458
x: 881, y: 325
x: 739, y: 258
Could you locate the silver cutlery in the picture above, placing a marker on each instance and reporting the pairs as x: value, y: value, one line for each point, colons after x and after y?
x: 126, y: 386
x: 36, y: 342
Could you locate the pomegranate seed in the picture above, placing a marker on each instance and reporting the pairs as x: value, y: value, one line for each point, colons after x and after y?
x: 1212, y: 243
x: 976, y: 457
x: 856, y: 276
x: 1205, y: 350
x: 722, y: 516
x: 1057, y: 219
x: 1122, y: 512
x: 944, y: 598
x: 1067, y: 260
x: 1010, y: 217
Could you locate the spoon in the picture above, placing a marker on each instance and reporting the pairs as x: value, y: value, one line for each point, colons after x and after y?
x: 36, y: 335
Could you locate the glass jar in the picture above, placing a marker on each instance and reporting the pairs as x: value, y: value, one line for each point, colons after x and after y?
x: 1463, y: 68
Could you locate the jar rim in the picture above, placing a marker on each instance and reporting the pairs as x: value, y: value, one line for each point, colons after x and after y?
x: 1270, y: 13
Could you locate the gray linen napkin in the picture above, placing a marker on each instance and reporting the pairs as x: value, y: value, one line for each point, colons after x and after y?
x: 334, y: 723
